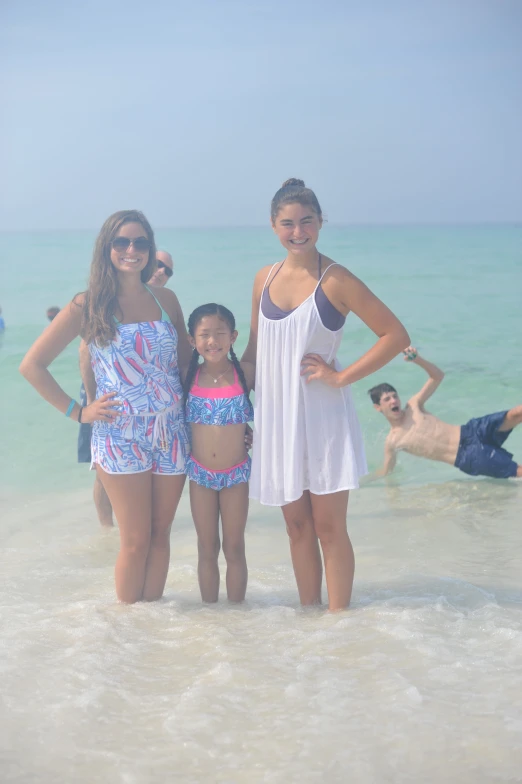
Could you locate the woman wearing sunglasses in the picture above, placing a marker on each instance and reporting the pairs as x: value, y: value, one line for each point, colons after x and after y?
x: 137, y: 342
x: 159, y: 277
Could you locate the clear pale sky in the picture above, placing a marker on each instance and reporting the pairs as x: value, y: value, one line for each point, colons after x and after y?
x: 394, y: 111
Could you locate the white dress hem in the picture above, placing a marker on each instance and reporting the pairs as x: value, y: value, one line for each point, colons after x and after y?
x: 305, y: 489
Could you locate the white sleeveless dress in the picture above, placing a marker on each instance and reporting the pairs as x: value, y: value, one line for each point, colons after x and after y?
x: 306, y: 434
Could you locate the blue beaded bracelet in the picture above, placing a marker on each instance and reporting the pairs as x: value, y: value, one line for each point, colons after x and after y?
x: 71, y: 406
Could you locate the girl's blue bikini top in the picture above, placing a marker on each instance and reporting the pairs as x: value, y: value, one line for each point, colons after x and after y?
x: 219, y: 406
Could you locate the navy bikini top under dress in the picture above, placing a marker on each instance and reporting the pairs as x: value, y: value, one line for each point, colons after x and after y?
x: 330, y: 316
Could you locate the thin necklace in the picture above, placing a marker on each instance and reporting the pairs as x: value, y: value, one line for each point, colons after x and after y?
x: 215, y: 380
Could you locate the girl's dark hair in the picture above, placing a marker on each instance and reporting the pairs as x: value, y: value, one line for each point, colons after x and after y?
x: 211, y: 309
x: 294, y: 191
x: 101, y: 298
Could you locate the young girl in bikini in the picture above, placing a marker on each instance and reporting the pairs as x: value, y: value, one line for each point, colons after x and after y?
x: 138, y: 343
x: 218, y: 408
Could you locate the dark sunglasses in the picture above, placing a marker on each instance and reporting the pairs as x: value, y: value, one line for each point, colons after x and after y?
x: 140, y: 244
x: 166, y: 270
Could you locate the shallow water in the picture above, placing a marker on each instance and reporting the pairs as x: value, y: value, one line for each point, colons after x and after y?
x: 419, y: 681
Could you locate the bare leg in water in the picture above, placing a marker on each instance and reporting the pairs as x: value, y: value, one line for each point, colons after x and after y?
x: 166, y: 492
x: 144, y: 505
x: 207, y: 506
x: 102, y: 504
x: 233, y: 506
x: 304, y: 549
x: 329, y: 512
x: 316, y: 520
x: 204, y: 504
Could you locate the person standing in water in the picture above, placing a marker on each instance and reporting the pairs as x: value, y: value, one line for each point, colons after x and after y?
x: 103, y: 507
x: 218, y: 409
x: 308, y: 450
x: 138, y: 342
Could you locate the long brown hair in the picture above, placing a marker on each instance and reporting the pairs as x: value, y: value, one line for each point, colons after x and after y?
x: 101, y: 298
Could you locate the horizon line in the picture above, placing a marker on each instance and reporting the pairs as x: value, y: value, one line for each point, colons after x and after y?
x: 354, y: 225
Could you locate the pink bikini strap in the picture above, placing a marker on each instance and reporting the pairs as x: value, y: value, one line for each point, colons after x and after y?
x: 236, y: 386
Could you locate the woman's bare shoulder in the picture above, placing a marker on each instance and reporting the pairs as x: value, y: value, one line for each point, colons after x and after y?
x: 162, y: 293
x: 263, y: 273
x: 164, y: 296
x: 76, y: 306
x: 170, y: 303
x: 79, y: 300
x: 337, y: 271
x: 261, y: 276
x: 340, y: 285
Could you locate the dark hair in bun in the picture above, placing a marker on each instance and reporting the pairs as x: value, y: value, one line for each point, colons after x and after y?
x: 293, y: 181
x: 294, y: 191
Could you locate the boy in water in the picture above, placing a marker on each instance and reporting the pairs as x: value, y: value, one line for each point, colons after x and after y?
x: 475, y: 448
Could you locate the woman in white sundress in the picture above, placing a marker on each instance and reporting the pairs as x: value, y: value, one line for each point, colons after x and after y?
x: 308, y: 451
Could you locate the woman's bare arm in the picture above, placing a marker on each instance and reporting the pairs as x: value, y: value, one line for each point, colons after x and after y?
x: 249, y: 354
x: 392, y: 336
x: 62, y: 330
x: 250, y: 373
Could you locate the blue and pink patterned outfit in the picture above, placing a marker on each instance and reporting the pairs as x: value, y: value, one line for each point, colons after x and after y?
x: 141, y: 366
x: 222, y: 406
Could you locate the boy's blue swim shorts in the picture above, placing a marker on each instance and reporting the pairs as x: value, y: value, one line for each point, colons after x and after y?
x: 480, y: 450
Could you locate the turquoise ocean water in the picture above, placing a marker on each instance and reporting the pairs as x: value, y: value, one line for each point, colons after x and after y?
x: 457, y: 290
x: 428, y: 658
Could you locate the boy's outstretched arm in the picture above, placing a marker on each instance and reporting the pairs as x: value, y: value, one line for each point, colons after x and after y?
x: 390, y: 461
x: 435, y: 376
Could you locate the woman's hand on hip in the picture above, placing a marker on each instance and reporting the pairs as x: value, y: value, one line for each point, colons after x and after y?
x: 316, y: 369
x: 104, y: 409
